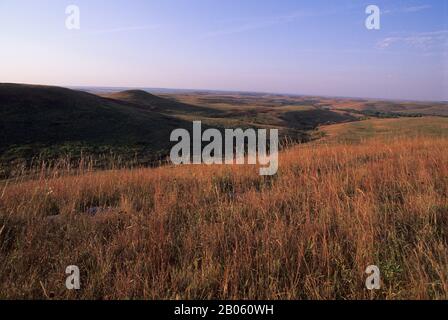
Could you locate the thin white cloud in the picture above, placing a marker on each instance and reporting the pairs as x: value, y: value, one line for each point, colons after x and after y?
x: 417, y: 8
x: 422, y: 40
x: 402, y: 10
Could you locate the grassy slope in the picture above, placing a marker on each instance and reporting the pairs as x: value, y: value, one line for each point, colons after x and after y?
x: 225, y: 232
x: 410, y: 127
x: 54, y: 121
x: 403, y: 107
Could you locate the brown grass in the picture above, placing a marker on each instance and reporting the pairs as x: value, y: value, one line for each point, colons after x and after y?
x: 225, y: 232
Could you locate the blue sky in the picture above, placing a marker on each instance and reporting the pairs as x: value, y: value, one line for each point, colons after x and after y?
x: 285, y: 46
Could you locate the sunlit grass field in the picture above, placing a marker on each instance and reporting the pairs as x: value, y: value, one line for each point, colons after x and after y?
x: 219, y: 232
x: 357, y: 132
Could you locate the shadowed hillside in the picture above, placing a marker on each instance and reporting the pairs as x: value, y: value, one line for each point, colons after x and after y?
x: 51, y: 120
x: 310, y: 119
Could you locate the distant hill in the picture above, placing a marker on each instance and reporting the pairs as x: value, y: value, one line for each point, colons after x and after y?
x: 54, y: 120
x: 359, y: 132
x: 155, y: 103
x: 383, y: 106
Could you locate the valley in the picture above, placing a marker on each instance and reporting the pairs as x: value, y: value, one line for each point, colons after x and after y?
x: 45, y: 124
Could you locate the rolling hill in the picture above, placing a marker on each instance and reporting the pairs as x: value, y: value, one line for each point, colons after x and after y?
x: 399, y: 107
x: 296, y: 102
x: 50, y: 122
x: 357, y: 132
x: 47, y: 123
x: 53, y: 121
x: 149, y: 101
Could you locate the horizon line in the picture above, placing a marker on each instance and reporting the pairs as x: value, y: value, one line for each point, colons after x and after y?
x: 145, y: 88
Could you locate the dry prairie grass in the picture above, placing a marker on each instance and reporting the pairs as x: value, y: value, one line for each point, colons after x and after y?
x: 224, y: 232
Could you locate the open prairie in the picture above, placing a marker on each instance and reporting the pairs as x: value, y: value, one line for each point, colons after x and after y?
x: 229, y: 100
x: 357, y: 132
x: 234, y: 159
x: 335, y: 207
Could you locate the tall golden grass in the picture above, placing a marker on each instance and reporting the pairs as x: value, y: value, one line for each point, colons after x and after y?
x: 225, y: 232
